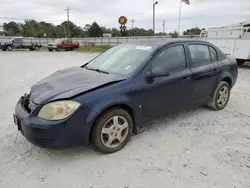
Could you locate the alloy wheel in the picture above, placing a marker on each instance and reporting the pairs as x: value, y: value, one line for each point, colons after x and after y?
x: 114, y: 131
x: 223, y: 96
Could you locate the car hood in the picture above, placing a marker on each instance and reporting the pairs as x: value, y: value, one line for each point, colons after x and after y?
x: 69, y: 82
x: 52, y: 44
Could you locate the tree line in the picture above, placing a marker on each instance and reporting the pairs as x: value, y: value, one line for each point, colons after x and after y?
x: 33, y: 28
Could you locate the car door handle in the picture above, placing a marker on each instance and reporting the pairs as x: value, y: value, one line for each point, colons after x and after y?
x: 185, y: 78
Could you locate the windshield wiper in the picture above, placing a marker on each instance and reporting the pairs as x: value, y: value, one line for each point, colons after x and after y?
x: 98, y: 70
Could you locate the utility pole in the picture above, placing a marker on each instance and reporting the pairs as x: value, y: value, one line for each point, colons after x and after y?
x: 67, y: 10
x: 132, y: 26
x: 154, y: 16
x: 65, y: 33
x: 163, y: 25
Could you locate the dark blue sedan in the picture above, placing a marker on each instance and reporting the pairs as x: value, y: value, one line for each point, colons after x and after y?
x: 106, y: 100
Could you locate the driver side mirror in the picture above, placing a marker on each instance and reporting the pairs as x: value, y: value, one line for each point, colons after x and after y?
x: 157, y: 72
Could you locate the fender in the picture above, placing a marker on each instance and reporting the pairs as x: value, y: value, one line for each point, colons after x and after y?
x: 223, y: 76
x: 120, y: 101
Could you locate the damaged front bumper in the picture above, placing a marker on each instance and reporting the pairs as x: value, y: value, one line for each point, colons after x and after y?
x: 44, y: 133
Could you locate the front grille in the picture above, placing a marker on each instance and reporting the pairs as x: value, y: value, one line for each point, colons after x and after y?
x: 25, y: 100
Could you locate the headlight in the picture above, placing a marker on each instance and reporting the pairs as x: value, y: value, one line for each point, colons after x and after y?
x: 58, y: 110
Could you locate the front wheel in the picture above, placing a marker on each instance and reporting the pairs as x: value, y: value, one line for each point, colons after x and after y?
x: 220, y: 97
x: 112, y: 131
x: 9, y: 48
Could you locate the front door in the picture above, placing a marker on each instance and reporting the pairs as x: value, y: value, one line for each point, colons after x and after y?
x: 18, y: 43
x: 171, y: 93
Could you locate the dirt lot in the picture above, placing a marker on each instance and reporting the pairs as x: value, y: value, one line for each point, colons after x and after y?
x: 196, y: 148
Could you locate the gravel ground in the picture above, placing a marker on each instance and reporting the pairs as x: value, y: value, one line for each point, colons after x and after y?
x: 195, y: 148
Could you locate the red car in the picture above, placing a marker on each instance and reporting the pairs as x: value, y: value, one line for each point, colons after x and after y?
x: 64, y: 43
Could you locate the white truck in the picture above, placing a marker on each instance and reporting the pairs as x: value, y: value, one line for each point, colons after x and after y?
x: 233, y: 40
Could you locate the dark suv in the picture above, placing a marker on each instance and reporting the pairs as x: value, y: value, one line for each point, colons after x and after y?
x: 108, y: 98
x: 19, y: 43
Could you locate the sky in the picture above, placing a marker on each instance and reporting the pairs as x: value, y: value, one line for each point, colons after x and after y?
x: 200, y: 13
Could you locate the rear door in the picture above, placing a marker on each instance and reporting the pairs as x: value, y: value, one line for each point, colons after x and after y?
x: 205, y: 71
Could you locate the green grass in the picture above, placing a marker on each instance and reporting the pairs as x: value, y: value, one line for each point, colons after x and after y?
x: 87, y: 49
x: 93, y: 49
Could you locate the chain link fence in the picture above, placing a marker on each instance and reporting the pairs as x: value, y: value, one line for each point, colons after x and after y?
x: 98, y: 41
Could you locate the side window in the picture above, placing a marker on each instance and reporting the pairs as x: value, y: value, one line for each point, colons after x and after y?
x: 199, y: 54
x: 172, y: 59
x: 214, y: 55
x: 17, y: 41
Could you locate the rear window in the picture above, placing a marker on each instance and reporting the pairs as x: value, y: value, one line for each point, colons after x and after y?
x: 214, y: 55
x: 199, y: 54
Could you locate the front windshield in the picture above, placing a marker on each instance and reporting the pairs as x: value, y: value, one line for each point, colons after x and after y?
x: 122, y: 59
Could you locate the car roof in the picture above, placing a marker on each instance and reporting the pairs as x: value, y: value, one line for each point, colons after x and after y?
x: 164, y: 41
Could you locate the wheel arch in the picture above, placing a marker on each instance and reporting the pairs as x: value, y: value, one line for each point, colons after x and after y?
x: 228, y: 80
x: 226, y: 77
x: 123, y: 106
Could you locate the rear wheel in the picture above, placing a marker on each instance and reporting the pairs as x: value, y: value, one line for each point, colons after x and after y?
x: 221, y: 96
x: 112, y: 131
x: 36, y: 48
x: 240, y: 61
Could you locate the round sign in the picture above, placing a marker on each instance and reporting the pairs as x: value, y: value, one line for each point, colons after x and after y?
x: 123, y: 20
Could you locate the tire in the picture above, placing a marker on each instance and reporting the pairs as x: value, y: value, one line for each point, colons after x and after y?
x: 9, y: 48
x: 105, y: 134
x: 36, y: 48
x: 220, y: 100
x: 240, y: 61
x: 50, y: 50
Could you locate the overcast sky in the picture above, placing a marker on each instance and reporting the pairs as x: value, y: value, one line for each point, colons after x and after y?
x: 201, y: 13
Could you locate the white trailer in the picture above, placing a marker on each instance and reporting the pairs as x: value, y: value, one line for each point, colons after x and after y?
x: 233, y: 40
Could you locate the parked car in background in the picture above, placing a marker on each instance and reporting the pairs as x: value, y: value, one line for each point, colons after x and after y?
x: 63, y: 44
x: 233, y: 40
x: 106, y: 100
x: 19, y: 43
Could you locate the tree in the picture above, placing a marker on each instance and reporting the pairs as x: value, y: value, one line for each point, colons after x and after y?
x: 48, y: 29
x: 115, y: 32
x: 32, y: 28
x: 193, y: 31
x: 174, y: 34
x: 95, y: 30
x: 12, y: 28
